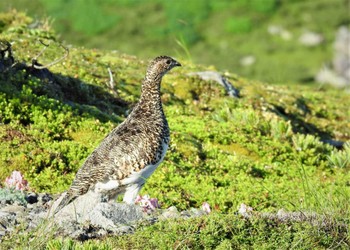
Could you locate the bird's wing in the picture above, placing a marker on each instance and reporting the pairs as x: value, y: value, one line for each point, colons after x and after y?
x: 115, y: 157
x: 127, y: 148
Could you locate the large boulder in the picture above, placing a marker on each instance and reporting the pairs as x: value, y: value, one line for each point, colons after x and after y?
x: 88, y: 208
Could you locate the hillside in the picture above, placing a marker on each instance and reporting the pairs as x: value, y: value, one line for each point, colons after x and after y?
x: 268, y: 149
x: 221, y: 33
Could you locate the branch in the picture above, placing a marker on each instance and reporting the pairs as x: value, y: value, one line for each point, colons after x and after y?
x: 35, y: 63
x: 35, y: 59
x: 111, y: 81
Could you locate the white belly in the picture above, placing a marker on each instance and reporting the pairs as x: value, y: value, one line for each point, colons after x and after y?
x: 109, y: 185
x: 142, y: 175
x: 131, y: 184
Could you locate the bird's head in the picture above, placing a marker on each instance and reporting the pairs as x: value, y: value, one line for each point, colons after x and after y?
x: 159, y: 66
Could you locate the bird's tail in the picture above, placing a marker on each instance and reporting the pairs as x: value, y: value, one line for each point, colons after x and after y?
x: 64, y: 202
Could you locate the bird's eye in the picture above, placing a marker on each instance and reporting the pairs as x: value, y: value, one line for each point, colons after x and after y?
x: 168, y: 62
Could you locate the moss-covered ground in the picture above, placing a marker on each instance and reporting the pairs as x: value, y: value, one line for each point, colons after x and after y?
x: 265, y: 149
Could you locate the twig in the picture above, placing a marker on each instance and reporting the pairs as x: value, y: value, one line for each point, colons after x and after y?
x: 35, y: 59
x: 111, y: 81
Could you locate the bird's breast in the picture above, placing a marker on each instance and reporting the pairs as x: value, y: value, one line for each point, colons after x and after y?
x: 142, y: 175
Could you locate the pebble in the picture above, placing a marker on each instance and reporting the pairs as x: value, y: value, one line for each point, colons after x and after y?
x: 44, y: 198
x: 311, y: 39
x: 170, y: 213
x: 32, y: 198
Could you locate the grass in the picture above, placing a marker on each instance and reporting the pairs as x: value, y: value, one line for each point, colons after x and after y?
x: 264, y: 149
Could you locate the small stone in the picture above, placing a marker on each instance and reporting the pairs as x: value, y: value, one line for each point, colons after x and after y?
x: 125, y: 229
x: 7, y: 222
x: 311, y: 39
x: 185, y: 214
x: 192, y: 212
x: 286, y: 35
x: 171, y: 212
x: 245, y: 210
x: 247, y: 60
x: 45, y: 198
x: 279, y: 31
x: 328, y: 76
x: 30, y: 206
x: 195, y: 212
x: 32, y: 198
x: 223, y: 81
x: 274, y: 29
x: 173, y: 209
x: 281, y: 213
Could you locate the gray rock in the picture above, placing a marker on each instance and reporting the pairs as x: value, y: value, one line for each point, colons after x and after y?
x: 85, y: 218
x: 297, y: 216
x: 334, y: 143
x: 88, y: 209
x: 215, y: 76
x: 125, y: 229
x: 196, y: 212
x: 311, y: 39
x: 7, y: 222
x: 341, y: 61
x: 274, y: 29
x: 170, y: 213
x: 192, y: 212
x: 109, y: 215
x: 76, y: 209
x: 338, y: 73
x: 328, y: 76
x: 277, y: 30
x: 185, y: 214
x: 247, y: 60
x: 6, y: 218
x: 44, y: 198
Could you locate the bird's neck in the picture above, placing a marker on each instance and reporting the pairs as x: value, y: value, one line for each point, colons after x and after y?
x: 150, y: 93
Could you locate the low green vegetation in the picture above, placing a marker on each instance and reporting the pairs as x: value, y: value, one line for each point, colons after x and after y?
x: 218, y: 232
x: 12, y: 196
x: 265, y: 149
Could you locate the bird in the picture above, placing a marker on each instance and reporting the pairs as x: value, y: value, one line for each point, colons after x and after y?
x: 131, y: 152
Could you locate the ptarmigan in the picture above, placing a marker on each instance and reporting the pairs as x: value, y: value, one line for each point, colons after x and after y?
x: 133, y: 150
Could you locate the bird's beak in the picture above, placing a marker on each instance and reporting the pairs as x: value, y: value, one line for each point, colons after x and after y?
x: 177, y: 64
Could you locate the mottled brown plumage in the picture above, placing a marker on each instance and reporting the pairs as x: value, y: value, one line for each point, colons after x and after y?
x: 131, y: 152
